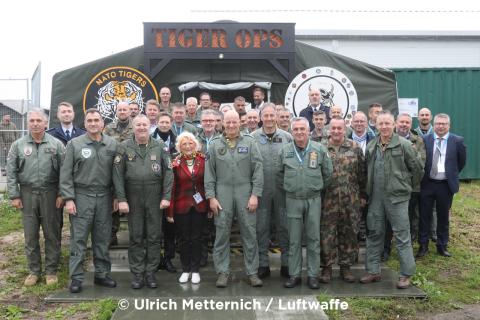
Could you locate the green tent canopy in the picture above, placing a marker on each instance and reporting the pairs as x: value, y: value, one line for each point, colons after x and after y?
x: 372, y: 84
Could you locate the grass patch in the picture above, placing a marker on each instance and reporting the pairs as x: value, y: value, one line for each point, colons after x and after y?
x: 449, y: 283
x: 11, y: 218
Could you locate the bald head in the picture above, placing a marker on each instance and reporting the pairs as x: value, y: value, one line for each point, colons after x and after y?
x: 231, y: 122
x: 336, y: 112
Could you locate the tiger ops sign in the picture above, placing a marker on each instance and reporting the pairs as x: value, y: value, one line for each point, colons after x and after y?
x: 112, y: 85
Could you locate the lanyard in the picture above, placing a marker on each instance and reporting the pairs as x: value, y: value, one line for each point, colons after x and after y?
x: 300, y: 159
x: 207, y: 140
x: 177, y: 131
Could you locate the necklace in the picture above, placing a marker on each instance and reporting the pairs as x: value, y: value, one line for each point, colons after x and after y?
x: 190, y: 162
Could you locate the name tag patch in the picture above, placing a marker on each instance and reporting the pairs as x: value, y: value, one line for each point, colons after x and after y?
x: 313, y: 160
x: 242, y: 149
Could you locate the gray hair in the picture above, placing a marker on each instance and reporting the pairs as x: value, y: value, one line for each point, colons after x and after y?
x: 208, y: 112
x: 404, y: 114
x: 225, y: 106
x: 441, y: 115
x: 37, y: 111
x: 298, y: 119
x: 191, y: 99
x: 139, y: 117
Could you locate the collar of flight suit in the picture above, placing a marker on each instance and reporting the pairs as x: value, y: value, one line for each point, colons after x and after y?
x: 30, y: 138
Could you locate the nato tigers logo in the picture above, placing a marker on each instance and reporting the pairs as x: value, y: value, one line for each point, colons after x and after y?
x: 112, y: 85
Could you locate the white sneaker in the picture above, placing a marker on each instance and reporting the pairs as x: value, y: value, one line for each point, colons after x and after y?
x: 195, y: 277
x: 184, y: 277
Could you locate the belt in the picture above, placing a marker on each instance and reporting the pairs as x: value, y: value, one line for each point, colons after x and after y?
x: 437, y: 181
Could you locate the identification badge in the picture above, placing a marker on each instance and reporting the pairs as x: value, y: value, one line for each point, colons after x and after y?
x: 222, y: 151
x: 263, y: 140
x: 86, y: 153
x: 313, y: 158
x: 27, y: 150
x: 289, y: 154
x: 155, y: 167
x: 277, y: 140
x: 117, y: 159
x: 130, y: 157
x: 197, y: 197
x: 153, y: 157
x: 242, y: 149
x: 349, y: 154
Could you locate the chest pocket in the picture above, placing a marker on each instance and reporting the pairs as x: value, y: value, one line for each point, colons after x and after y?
x: 242, y: 152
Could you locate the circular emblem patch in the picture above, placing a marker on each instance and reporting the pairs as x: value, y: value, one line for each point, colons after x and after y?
x: 155, y: 167
x: 335, y: 87
x: 86, y: 153
x: 27, y: 150
x: 115, y: 84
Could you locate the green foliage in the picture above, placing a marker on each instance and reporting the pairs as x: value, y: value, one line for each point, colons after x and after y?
x: 11, y: 218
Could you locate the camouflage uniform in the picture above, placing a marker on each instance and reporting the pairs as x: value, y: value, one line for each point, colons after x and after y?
x: 341, y: 204
x: 317, y: 137
x: 7, y: 136
x: 120, y: 131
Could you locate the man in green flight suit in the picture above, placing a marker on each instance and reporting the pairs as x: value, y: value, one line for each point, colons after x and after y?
x: 86, y: 186
x: 142, y: 176
x: 120, y: 130
x: 393, y: 172
x: 33, y: 169
x: 304, y: 170
x: 272, y: 203
x: 233, y: 183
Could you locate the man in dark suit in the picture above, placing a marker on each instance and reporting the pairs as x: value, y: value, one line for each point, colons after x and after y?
x: 446, y: 157
x: 66, y: 131
x: 315, y: 104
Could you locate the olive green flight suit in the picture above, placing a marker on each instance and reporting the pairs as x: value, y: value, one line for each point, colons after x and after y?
x: 120, y: 131
x: 142, y: 176
x: 186, y: 126
x: 272, y: 203
x: 33, y: 172
x: 208, y: 232
x: 232, y: 175
x: 303, y: 175
x: 86, y: 178
x: 392, y: 175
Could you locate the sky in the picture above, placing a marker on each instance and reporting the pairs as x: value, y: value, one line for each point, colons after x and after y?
x: 65, y: 34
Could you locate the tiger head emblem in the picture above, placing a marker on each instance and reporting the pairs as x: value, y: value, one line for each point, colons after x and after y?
x: 114, y: 92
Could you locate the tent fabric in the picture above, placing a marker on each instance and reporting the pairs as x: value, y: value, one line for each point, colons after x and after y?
x: 373, y: 84
x: 223, y: 87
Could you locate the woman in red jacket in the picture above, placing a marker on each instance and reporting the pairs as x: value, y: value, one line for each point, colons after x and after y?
x: 188, y: 206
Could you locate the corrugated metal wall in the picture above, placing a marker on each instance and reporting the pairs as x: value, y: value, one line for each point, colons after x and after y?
x: 452, y: 91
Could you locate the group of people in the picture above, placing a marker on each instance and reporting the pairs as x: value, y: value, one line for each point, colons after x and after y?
x: 182, y: 172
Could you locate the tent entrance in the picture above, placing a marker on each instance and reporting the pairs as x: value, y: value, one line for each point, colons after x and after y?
x: 225, y: 93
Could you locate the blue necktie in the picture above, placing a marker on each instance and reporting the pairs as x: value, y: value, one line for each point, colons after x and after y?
x: 67, y: 134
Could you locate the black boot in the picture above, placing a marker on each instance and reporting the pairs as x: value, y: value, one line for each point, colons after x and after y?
x: 263, y: 272
x: 169, y: 266
x: 422, y: 251
x: 137, y: 281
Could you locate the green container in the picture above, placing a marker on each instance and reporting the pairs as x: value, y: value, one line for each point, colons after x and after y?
x: 455, y: 91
